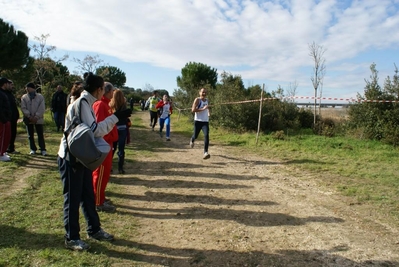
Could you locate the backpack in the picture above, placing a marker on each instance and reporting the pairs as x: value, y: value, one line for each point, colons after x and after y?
x: 81, y: 143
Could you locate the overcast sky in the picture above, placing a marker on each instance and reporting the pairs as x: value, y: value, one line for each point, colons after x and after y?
x: 266, y: 42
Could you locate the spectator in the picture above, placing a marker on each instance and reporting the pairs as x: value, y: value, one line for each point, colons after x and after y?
x: 58, y: 107
x: 117, y: 103
x: 77, y: 179
x: 5, y: 119
x: 14, y: 118
x: 33, y: 107
x: 101, y: 175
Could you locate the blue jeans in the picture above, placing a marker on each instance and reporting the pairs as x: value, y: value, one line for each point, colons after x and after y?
x: 122, y: 135
x: 78, y: 191
x: 59, y: 118
x: 166, y: 122
x: 204, y: 126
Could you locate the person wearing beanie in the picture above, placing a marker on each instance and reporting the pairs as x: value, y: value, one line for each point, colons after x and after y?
x: 5, y: 119
x: 33, y: 107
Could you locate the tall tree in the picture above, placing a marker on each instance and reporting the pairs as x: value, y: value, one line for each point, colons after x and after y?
x: 14, y: 49
x: 113, y: 75
x: 193, y: 77
x: 319, y: 69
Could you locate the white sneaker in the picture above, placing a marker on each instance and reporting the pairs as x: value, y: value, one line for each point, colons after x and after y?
x: 206, y: 155
x: 44, y: 153
x: 32, y: 152
x: 5, y: 158
x: 191, y: 144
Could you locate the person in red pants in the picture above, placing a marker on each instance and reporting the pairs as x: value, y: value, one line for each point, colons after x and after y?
x: 101, y: 175
x: 5, y: 119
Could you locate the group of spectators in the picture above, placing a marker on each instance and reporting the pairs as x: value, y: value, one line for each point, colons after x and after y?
x: 105, y: 112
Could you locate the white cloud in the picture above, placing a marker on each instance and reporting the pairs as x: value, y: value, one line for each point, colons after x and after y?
x: 269, y: 38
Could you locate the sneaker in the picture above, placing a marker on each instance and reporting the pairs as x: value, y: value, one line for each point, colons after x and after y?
x: 108, y: 201
x: 5, y: 158
x: 122, y: 171
x: 160, y: 134
x: 32, y: 152
x: 77, y: 245
x: 102, y: 236
x: 191, y: 144
x: 44, y: 153
x: 13, y: 152
x: 150, y: 124
x: 106, y: 207
x: 167, y: 139
x: 206, y: 155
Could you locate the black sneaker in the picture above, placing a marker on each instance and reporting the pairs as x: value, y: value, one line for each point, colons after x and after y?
x: 106, y: 207
x: 102, y: 236
x: 77, y: 245
x: 108, y: 201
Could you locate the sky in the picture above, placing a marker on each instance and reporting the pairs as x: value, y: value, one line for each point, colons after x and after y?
x: 265, y: 42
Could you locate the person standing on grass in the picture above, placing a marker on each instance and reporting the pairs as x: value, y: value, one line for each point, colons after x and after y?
x: 151, y: 103
x: 5, y: 119
x: 77, y: 179
x: 201, y: 120
x: 101, y: 175
x: 164, y: 118
x: 118, y: 103
x: 33, y: 108
x: 14, y: 118
x: 58, y: 107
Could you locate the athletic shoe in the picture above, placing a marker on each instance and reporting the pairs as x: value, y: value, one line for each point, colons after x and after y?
x: 5, y: 158
x: 167, y: 139
x: 108, y: 201
x: 160, y: 134
x: 77, y: 245
x: 106, y: 207
x: 44, y: 153
x: 191, y: 144
x: 32, y: 152
x: 206, y: 155
x: 150, y: 124
x: 102, y: 236
x: 122, y: 171
x: 13, y: 152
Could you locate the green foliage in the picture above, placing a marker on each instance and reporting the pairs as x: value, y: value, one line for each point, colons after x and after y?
x: 14, y: 49
x: 113, y: 75
x: 194, y: 76
x: 377, y: 121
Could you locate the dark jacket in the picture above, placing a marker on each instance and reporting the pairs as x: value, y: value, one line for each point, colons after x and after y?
x: 13, y: 105
x: 58, y: 102
x: 5, y: 110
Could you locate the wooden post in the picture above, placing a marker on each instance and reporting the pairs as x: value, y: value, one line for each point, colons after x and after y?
x: 260, y: 113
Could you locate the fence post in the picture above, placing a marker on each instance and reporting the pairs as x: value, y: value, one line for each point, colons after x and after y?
x: 260, y: 113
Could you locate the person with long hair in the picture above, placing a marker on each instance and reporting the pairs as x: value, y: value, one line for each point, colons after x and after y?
x: 118, y: 103
x: 76, y: 178
x: 164, y: 119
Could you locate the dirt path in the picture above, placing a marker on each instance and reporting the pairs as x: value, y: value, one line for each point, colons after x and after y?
x: 237, y: 209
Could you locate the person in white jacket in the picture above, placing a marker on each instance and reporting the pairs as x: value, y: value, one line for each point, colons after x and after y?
x: 33, y: 107
x: 76, y: 178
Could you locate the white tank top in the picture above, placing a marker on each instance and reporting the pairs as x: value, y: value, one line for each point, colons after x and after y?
x: 202, y: 115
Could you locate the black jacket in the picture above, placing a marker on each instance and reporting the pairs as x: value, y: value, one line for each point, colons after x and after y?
x: 13, y: 105
x: 5, y: 110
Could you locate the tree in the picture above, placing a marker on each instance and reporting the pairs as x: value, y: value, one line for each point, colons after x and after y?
x: 319, y: 69
x: 14, y: 49
x: 113, y: 75
x: 88, y: 64
x: 193, y: 77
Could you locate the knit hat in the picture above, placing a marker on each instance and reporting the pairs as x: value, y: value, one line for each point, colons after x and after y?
x: 30, y: 85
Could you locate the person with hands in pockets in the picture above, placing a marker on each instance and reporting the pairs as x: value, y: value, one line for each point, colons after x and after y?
x: 76, y: 178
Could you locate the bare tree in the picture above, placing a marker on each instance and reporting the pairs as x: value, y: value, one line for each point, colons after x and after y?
x: 291, y: 91
x: 317, y: 53
x: 89, y: 63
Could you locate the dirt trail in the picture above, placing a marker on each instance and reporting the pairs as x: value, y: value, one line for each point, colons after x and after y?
x: 238, y: 209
